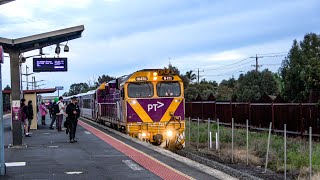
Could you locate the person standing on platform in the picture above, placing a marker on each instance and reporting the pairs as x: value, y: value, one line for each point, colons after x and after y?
x: 24, y: 116
x: 30, y: 114
x: 73, y: 112
x: 54, y: 110
x: 59, y: 115
x: 43, y: 112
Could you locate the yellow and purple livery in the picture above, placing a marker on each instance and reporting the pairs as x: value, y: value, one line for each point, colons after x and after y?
x: 147, y: 104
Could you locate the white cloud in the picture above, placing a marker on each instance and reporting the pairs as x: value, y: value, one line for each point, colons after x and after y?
x: 129, y: 35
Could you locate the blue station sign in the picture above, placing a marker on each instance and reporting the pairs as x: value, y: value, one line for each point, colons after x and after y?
x: 50, y: 64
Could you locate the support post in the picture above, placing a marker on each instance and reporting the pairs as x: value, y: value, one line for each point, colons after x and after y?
x: 232, y: 140
x: 269, y: 139
x: 209, y: 134
x: 210, y: 140
x: 218, y: 135
x: 2, y: 161
x: 285, y: 151
x: 247, y: 142
x: 189, y: 132
x: 310, y: 153
x: 198, y: 138
x: 15, y: 95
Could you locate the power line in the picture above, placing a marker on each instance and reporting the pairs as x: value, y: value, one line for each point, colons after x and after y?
x: 219, y: 68
x: 273, y: 53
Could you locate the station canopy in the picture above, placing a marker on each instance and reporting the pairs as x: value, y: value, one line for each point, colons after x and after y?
x: 5, y: 1
x: 38, y: 41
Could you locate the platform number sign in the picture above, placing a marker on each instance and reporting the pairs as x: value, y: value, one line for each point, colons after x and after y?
x: 15, y: 104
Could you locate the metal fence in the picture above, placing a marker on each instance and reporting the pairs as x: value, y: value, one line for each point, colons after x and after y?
x: 298, y: 116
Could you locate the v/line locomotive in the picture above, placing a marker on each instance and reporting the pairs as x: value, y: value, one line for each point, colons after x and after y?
x: 147, y: 104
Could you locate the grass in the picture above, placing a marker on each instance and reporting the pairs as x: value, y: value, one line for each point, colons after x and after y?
x: 297, y: 148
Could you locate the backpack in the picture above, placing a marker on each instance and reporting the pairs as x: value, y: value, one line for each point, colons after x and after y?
x: 56, y: 108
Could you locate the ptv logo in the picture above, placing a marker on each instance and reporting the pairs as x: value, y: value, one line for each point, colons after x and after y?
x: 155, y: 106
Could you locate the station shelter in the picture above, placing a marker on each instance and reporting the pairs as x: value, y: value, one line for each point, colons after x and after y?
x: 34, y: 96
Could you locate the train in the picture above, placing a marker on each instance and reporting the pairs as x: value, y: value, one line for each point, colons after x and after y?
x: 148, y: 104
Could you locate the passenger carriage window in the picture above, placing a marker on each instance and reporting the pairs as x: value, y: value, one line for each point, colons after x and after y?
x: 140, y: 90
x: 168, y: 89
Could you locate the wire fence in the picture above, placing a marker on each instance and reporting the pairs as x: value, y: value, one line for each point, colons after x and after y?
x: 236, y: 143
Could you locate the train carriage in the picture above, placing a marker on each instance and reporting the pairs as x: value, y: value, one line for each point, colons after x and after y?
x: 87, y: 104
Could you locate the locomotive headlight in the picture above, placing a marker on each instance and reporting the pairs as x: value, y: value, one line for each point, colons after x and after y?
x: 169, y: 133
x: 155, y: 78
x: 155, y: 74
x: 133, y: 102
x: 144, y: 134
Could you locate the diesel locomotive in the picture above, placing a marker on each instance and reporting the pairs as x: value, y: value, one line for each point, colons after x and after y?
x: 147, y: 104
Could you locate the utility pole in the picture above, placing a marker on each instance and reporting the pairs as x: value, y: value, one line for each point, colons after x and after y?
x: 199, y: 75
x: 26, y: 74
x: 257, y: 62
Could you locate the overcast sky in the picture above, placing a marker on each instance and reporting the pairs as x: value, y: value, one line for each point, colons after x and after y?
x: 123, y: 36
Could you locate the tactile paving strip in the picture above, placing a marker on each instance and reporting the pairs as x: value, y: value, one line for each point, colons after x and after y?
x: 155, y: 166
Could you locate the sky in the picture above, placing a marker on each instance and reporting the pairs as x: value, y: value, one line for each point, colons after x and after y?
x: 218, y: 38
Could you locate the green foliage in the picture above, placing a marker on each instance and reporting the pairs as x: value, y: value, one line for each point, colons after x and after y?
x: 224, y: 93
x: 253, y: 84
x: 204, y: 89
x: 301, y: 69
x: 102, y: 79
x: 191, y: 93
x: 78, y: 88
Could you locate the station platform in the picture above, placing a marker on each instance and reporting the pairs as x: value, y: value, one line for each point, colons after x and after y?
x: 98, y: 154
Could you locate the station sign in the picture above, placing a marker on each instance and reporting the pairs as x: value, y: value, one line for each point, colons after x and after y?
x: 50, y: 65
x: 1, y: 54
x: 59, y: 87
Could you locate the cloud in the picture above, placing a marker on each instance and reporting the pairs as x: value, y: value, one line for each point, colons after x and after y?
x: 124, y: 36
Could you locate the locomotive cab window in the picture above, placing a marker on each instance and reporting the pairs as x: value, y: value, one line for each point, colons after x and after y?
x: 140, y: 90
x: 168, y: 89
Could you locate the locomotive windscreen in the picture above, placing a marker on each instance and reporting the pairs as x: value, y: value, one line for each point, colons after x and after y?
x: 165, y: 89
x: 140, y: 90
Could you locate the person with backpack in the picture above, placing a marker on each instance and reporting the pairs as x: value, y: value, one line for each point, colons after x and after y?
x: 55, y: 110
x: 30, y: 114
x: 59, y: 115
x: 24, y: 116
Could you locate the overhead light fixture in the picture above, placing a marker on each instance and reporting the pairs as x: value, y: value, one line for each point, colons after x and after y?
x: 66, y: 48
x: 57, y: 51
x: 22, y: 59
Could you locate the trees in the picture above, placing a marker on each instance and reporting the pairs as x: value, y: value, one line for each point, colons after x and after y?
x: 102, y: 79
x: 78, y: 88
x: 253, y: 84
x: 300, y: 70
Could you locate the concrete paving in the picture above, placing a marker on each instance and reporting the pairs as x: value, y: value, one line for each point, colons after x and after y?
x: 49, y: 155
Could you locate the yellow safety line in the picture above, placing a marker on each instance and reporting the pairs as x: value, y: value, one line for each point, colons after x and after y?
x: 191, y: 178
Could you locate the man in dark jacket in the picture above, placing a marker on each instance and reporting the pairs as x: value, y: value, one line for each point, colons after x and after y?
x: 24, y: 116
x: 73, y: 112
x: 30, y: 114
